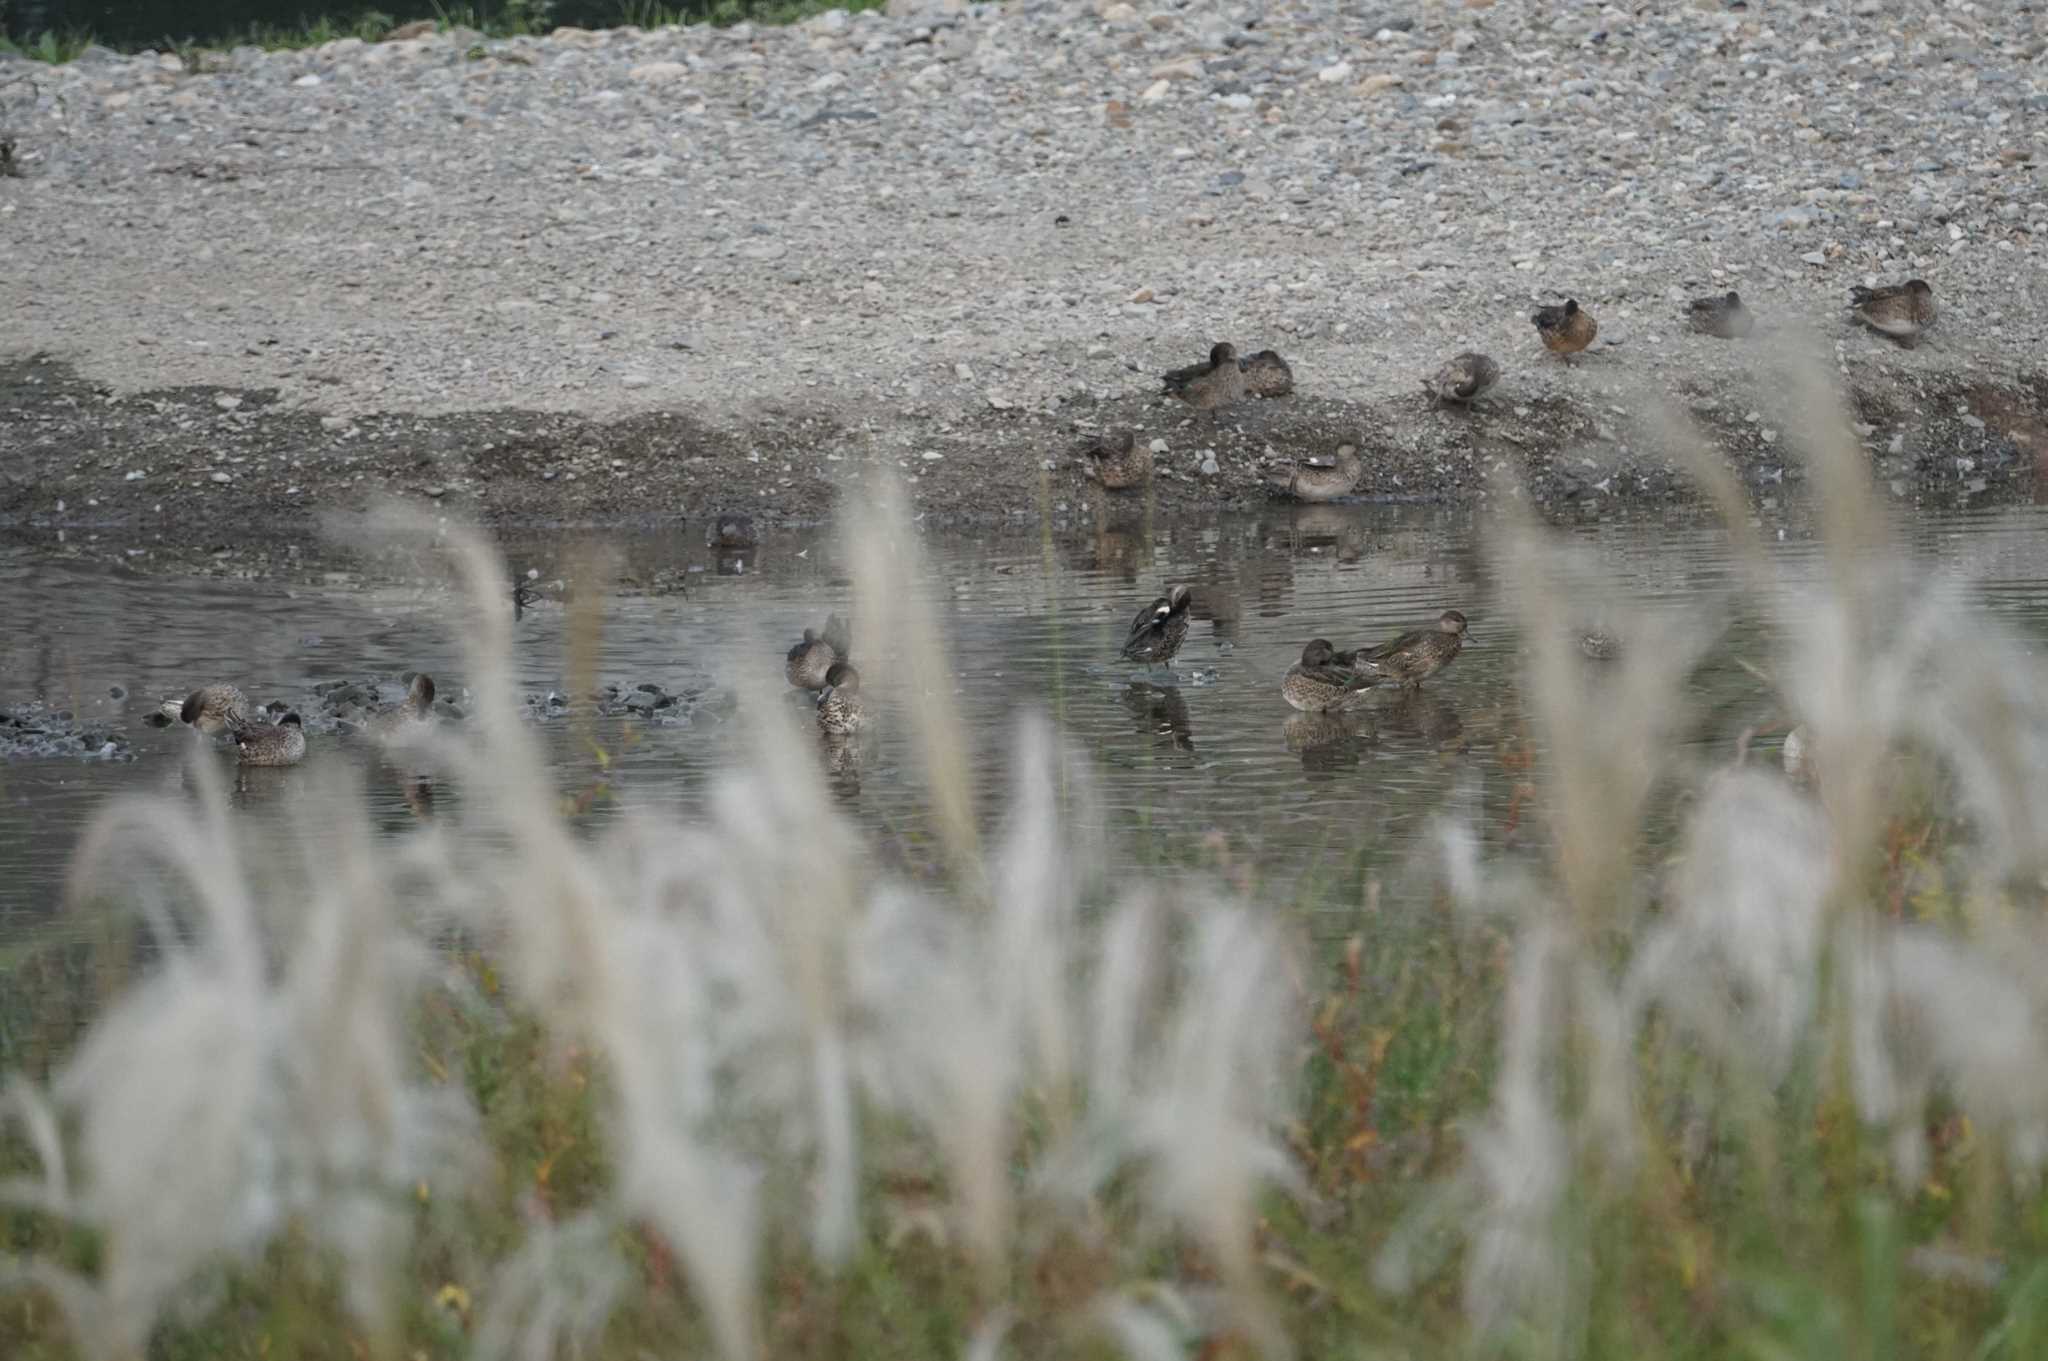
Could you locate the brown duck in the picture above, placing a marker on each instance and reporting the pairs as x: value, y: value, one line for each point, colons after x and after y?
x: 1210, y: 386
x: 1319, y: 482
x: 1266, y: 374
x: 1901, y: 311
x: 1416, y: 655
x: 282, y: 743
x: 1324, y: 679
x: 1463, y: 378
x: 1722, y: 316
x: 809, y: 661
x: 840, y: 713
x: 1566, y: 330
x: 213, y: 708
x: 1118, y: 461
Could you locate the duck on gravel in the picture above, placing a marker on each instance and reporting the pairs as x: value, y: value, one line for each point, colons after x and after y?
x: 1566, y: 330
x: 1901, y: 311
x: 1463, y: 378
x: 1208, y: 387
x: 1117, y: 461
x: 1266, y: 374
x: 1306, y: 481
x: 1722, y: 316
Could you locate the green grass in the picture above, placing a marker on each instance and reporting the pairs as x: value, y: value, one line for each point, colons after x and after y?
x: 513, y: 18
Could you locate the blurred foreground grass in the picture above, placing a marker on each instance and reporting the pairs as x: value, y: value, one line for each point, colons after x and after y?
x: 1711, y: 1063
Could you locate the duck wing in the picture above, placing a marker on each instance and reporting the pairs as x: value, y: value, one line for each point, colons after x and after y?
x: 1148, y: 621
x: 1385, y: 650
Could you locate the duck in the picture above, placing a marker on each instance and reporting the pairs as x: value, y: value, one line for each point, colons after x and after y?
x: 809, y: 661
x: 1324, y: 679
x: 1117, y: 461
x: 1210, y: 386
x: 840, y: 713
x: 1723, y: 316
x: 1462, y: 378
x: 416, y: 708
x: 1306, y: 481
x: 282, y: 743
x: 214, y: 708
x: 1160, y: 628
x: 1901, y: 311
x: 730, y: 532
x: 1266, y: 374
x: 1416, y: 655
x: 1566, y: 330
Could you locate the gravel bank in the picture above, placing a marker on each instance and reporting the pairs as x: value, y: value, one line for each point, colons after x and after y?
x: 657, y: 274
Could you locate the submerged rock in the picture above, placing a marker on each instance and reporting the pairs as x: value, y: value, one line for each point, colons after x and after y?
x: 34, y: 731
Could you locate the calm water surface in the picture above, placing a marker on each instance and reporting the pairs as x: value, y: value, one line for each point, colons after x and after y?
x: 1030, y: 623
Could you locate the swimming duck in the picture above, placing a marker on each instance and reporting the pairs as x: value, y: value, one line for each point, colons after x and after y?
x: 839, y: 708
x: 1722, y: 316
x: 212, y: 708
x: 1118, y: 461
x: 416, y: 708
x: 1210, y: 386
x: 1324, y: 679
x: 1901, y: 311
x: 1566, y: 330
x: 1598, y: 645
x: 1463, y: 378
x: 1266, y: 374
x: 810, y: 660
x: 1319, y: 482
x: 282, y: 743
x: 729, y: 532
x: 1160, y: 628
x: 1416, y: 655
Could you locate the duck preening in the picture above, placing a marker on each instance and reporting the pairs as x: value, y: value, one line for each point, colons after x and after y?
x: 1324, y: 679
x: 1417, y: 655
x: 1210, y: 386
x: 1566, y: 330
x: 1160, y: 628
x: 810, y: 660
x: 282, y: 743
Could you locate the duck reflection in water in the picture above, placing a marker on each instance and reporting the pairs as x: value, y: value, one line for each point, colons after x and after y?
x: 1328, y: 741
x: 1330, y: 527
x: 1160, y: 711
x: 842, y: 763
x: 1424, y: 715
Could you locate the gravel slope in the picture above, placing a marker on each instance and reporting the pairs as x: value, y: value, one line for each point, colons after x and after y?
x: 971, y: 230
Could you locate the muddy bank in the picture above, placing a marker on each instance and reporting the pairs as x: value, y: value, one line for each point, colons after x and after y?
x: 206, y: 466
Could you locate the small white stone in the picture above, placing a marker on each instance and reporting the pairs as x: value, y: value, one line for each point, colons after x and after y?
x: 1156, y: 91
x: 1330, y: 75
x: 636, y: 380
x: 1159, y: 446
x: 963, y: 372
x: 307, y: 81
x: 134, y: 475
x: 222, y: 479
x: 227, y: 402
x: 931, y: 456
x: 658, y: 72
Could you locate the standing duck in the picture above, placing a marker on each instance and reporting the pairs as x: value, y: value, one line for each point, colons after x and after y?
x: 1566, y: 330
x: 1118, y: 462
x: 415, y: 709
x: 839, y: 708
x: 1722, y: 316
x: 1324, y: 679
x: 1416, y: 655
x: 1901, y: 311
x: 1463, y: 378
x: 1160, y: 628
x: 1211, y: 386
x: 730, y: 533
x: 1266, y: 374
x: 282, y: 743
x: 809, y: 661
x: 214, y: 708
x: 1319, y: 482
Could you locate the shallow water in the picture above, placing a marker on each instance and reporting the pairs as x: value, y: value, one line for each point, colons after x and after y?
x: 1212, y: 772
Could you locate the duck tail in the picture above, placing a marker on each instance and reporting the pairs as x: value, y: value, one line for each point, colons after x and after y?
x: 1281, y: 482
x: 1858, y: 295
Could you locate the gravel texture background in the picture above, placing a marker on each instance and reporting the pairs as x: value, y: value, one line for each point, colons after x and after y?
x: 658, y: 273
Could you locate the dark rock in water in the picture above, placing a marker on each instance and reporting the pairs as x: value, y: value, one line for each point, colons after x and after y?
x: 159, y: 719
x: 29, y: 732
x: 117, y: 692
